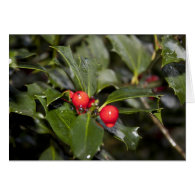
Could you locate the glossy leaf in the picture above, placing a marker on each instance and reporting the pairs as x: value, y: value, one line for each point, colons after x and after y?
x: 67, y: 55
x: 20, y: 54
x: 172, y: 51
x: 44, y: 90
x: 31, y: 66
x: 132, y: 52
x: 59, y: 78
x: 60, y: 120
x: 52, y: 95
x: 43, y: 101
x: 174, y: 74
x: 106, y: 77
x: 22, y: 103
x: 134, y: 110
x: 95, y: 48
x: 128, y: 135
x: 158, y: 116
x: 88, y: 70
x: 41, y: 126
x: 37, y: 88
x: 86, y: 137
x: 50, y: 154
x: 84, y: 72
x: 51, y: 39
x: 128, y: 93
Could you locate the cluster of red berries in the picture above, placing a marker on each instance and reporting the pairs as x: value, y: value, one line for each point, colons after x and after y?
x: 82, y: 102
x: 154, y: 78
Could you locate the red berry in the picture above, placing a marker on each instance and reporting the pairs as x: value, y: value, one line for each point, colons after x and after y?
x: 151, y: 98
x: 152, y: 78
x: 109, y: 115
x: 80, y: 99
x: 91, y: 101
x: 159, y: 89
x: 71, y: 93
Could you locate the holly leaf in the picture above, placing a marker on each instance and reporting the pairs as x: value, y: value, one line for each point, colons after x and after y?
x: 128, y: 93
x: 86, y: 137
x: 44, y: 90
x: 94, y: 48
x: 60, y: 120
x: 135, y: 110
x: 132, y: 52
x: 30, y: 66
x: 41, y: 126
x: 52, y: 95
x: 174, y: 74
x: 106, y: 78
x: 20, y: 54
x: 59, y: 78
x: 21, y: 103
x: 51, y: 39
x: 128, y: 135
x: 172, y: 51
x: 37, y: 88
x: 84, y: 71
x: 50, y: 154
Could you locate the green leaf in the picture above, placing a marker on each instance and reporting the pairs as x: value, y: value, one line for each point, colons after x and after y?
x: 172, y: 51
x: 95, y: 49
x: 41, y: 126
x: 50, y: 154
x: 86, y: 137
x: 52, y: 95
x: 106, y: 77
x: 60, y: 120
x: 66, y: 54
x: 174, y: 74
x: 134, y: 110
x: 84, y: 72
x: 44, y: 90
x: 89, y: 73
x: 59, y: 78
x: 37, y: 88
x: 158, y: 116
x: 51, y: 39
x: 31, y: 66
x: 42, y: 101
x: 128, y: 135
x: 128, y: 93
x: 21, y: 54
x: 21, y: 103
x: 132, y: 52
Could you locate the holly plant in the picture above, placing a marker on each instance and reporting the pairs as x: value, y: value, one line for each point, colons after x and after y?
x: 73, y: 89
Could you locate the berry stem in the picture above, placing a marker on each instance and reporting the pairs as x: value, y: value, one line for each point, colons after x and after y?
x: 164, y: 130
x: 65, y: 100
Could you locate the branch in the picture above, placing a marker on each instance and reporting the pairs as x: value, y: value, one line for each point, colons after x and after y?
x: 164, y: 130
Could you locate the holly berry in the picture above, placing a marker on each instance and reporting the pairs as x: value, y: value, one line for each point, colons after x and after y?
x: 80, y: 99
x: 70, y: 93
x: 152, y: 78
x: 109, y: 115
x: 159, y: 89
x: 91, y: 102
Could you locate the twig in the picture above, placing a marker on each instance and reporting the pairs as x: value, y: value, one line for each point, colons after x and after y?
x: 164, y: 130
